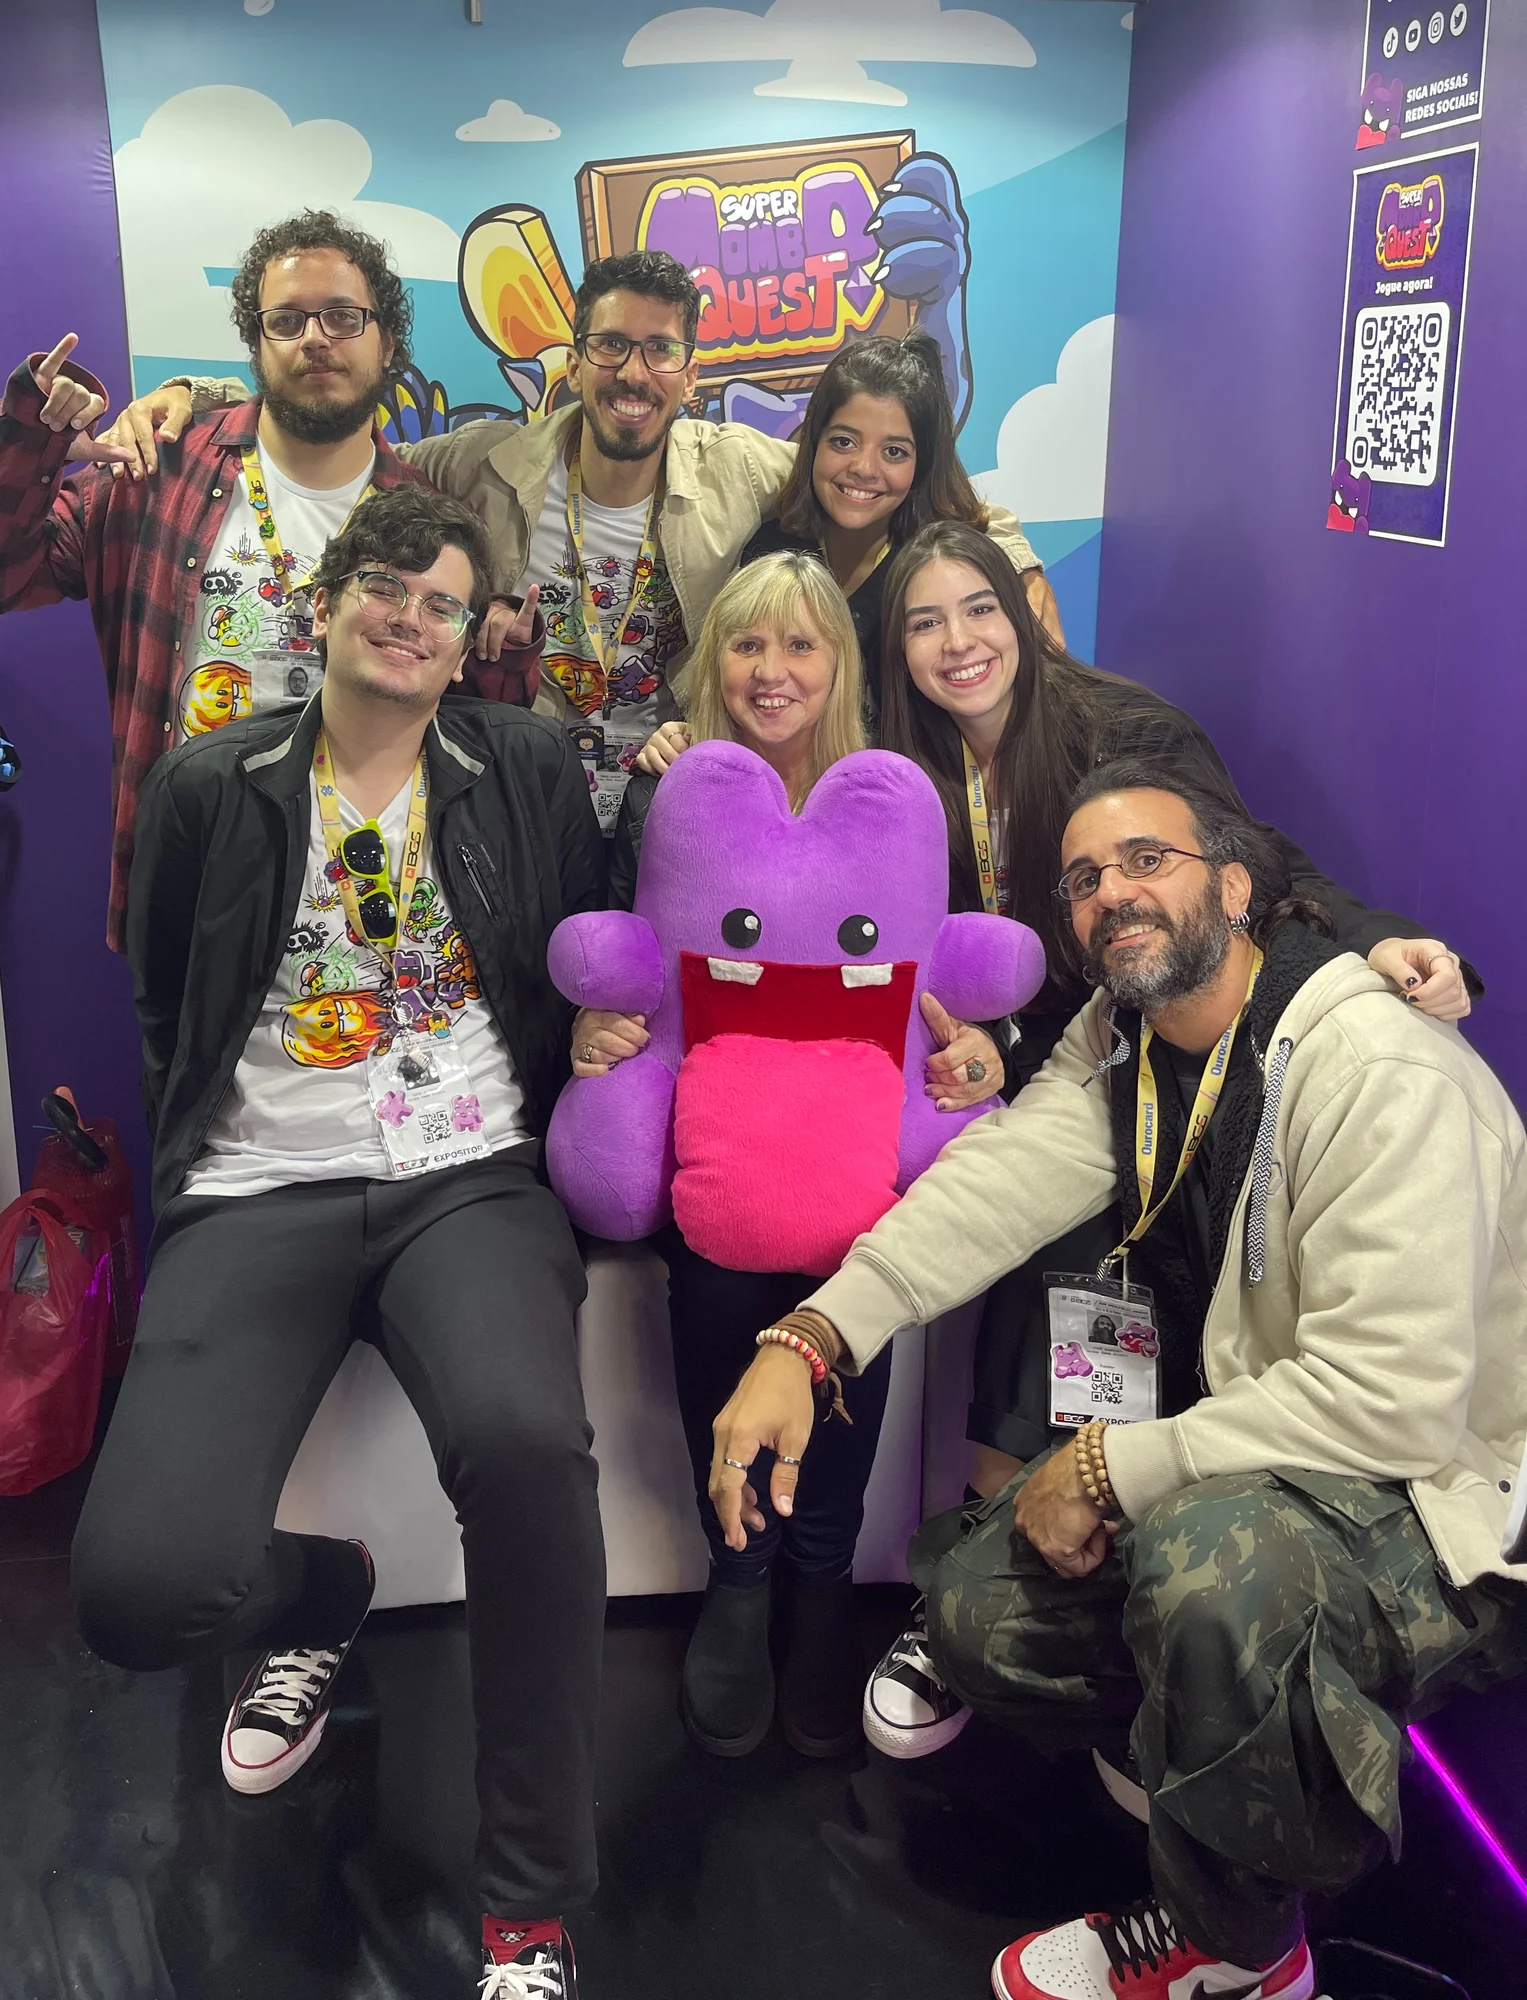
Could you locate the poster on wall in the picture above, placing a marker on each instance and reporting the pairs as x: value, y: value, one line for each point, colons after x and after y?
x: 1423, y: 68
x: 1402, y: 337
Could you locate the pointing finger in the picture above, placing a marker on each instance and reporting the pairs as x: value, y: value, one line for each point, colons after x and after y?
x: 46, y: 370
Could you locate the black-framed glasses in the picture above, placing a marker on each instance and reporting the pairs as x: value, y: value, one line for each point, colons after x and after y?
x: 291, y: 322
x: 663, y: 355
x: 364, y: 853
x: 381, y: 589
x: 1083, y: 879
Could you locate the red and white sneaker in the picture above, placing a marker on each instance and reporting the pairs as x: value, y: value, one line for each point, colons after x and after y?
x: 527, y: 1961
x: 278, y: 1720
x: 1139, y: 1955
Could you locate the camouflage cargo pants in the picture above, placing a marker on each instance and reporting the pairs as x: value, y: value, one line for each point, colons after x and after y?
x: 1272, y: 1633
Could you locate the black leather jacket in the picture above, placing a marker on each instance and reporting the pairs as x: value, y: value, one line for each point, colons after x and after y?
x: 218, y: 867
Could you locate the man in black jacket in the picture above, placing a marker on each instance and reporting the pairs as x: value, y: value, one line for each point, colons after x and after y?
x: 337, y: 924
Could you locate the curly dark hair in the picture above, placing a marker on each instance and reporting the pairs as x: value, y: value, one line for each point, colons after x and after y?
x: 652, y: 273
x: 406, y: 527
x: 320, y: 229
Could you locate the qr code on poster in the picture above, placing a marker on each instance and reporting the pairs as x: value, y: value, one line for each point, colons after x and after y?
x: 434, y: 1127
x: 1107, y: 1386
x: 1399, y: 383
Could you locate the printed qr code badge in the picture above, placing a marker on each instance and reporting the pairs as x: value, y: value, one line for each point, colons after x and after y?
x: 1399, y: 380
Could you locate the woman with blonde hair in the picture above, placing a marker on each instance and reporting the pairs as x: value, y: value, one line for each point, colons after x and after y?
x: 776, y: 669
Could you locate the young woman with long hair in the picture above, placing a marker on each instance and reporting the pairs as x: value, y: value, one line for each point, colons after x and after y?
x: 776, y: 669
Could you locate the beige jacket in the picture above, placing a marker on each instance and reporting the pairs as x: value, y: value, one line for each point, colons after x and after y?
x: 1386, y: 1336
x: 719, y: 482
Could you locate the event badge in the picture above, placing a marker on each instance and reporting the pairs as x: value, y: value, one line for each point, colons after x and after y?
x: 1105, y: 1352
x: 278, y: 675
x: 422, y: 1099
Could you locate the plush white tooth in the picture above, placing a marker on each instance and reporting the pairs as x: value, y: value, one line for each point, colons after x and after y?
x: 862, y: 975
x: 736, y: 969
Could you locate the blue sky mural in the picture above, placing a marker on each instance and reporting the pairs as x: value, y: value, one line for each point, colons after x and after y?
x: 416, y: 122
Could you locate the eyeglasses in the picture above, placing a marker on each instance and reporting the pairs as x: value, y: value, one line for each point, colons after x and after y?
x: 436, y: 607
x: 661, y: 354
x: 291, y: 322
x: 364, y: 853
x: 1081, y: 883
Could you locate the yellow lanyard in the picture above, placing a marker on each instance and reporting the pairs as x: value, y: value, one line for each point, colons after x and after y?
x: 980, y: 833
x: 1148, y: 1121
x: 259, y: 500
x: 605, y: 652
x: 334, y: 833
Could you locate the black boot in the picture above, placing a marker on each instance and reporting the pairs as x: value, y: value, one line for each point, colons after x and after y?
x: 727, y: 1697
x: 822, y: 1685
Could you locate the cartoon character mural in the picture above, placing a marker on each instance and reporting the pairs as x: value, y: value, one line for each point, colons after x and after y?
x: 1382, y: 114
x: 796, y: 248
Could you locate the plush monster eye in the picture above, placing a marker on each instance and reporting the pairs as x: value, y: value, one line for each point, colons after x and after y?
x: 857, y: 935
x: 740, y: 928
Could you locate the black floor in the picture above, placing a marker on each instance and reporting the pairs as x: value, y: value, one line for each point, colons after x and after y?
x: 129, y: 1872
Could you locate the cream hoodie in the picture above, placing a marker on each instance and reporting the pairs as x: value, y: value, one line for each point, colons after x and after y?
x: 1381, y: 1332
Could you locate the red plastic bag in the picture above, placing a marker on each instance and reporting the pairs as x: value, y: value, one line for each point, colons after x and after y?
x: 55, y: 1299
x: 82, y: 1162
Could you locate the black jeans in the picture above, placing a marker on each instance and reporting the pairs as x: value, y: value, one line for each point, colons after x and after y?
x: 468, y: 1282
x: 715, y: 1316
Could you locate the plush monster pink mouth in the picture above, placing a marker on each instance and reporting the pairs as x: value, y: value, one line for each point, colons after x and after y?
x: 797, y: 1003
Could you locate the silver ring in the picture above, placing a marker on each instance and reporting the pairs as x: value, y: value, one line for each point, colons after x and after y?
x: 737, y: 1464
x: 1441, y: 954
x: 975, y: 1070
x: 782, y: 1458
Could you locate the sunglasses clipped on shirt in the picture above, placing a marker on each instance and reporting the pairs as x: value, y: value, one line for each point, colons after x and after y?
x: 364, y: 853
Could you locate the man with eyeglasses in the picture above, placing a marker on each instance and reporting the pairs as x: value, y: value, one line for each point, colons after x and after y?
x: 337, y: 927
x: 195, y: 578
x: 1274, y: 1531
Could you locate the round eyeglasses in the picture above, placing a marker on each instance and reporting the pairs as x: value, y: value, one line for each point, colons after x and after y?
x: 380, y: 589
x: 1083, y: 879
x: 291, y: 322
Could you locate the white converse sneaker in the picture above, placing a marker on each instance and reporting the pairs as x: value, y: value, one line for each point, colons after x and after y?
x: 908, y: 1712
x: 1139, y: 1955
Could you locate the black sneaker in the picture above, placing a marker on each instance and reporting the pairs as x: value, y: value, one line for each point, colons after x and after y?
x: 908, y: 1712
x: 278, y: 1720
x: 1122, y: 1783
x: 525, y: 1961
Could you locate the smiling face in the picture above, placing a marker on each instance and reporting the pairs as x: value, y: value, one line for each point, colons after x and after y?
x: 960, y: 646
x: 865, y: 462
x: 1156, y: 939
x: 319, y: 389
x: 396, y: 653
x: 775, y: 683
x: 631, y: 409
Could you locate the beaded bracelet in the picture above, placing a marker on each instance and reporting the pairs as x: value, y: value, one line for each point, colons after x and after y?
x: 781, y: 1336
x: 1092, y: 1464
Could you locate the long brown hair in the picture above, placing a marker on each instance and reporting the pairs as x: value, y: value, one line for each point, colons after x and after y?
x: 1048, y: 742
x: 909, y: 371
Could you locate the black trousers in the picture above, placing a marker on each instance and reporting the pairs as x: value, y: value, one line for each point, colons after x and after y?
x: 715, y: 1315
x: 468, y: 1282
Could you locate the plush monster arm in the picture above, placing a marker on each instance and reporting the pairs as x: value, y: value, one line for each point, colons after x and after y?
x: 984, y: 967
x: 609, y: 1149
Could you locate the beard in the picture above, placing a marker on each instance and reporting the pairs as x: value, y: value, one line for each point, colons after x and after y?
x: 618, y: 441
x: 321, y: 423
x: 1194, y: 949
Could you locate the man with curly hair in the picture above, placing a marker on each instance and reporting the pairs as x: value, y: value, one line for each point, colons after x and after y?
x: 195, y: 578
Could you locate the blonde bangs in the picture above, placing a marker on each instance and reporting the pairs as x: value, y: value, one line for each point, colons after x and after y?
x: 771, y: 593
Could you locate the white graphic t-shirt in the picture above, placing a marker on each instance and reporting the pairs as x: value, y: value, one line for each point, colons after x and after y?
x: 609, y: 734
x: 254, y: 647
x: 298, y: 1108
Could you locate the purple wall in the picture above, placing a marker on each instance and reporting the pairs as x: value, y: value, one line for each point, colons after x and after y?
x: 1371, y: 697
x: 68, y: 1010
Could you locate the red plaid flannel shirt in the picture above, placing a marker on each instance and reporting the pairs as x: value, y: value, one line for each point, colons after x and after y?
x: 137, y: 550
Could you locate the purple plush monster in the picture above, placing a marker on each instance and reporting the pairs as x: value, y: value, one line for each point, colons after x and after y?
x: 778, y: 1107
